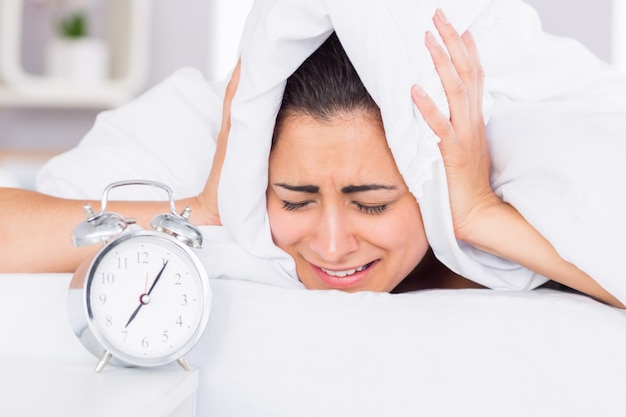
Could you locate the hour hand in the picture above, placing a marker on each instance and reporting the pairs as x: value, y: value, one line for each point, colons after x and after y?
x: 132, y: 316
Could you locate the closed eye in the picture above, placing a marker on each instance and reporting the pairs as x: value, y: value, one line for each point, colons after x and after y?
x: 379, y: 209
x: 289, y: 206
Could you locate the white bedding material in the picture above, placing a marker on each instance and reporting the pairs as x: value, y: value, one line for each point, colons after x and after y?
x: 276, y: 350
x: 279, y: 352
x: 381, y: 39
x: 168, y: 134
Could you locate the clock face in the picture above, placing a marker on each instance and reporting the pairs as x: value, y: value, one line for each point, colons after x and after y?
x: 147, y: 298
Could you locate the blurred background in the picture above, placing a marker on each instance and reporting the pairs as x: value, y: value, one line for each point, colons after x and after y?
x: 127, y: 46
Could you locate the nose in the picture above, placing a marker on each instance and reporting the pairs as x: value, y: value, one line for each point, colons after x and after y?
x: 334, y: 237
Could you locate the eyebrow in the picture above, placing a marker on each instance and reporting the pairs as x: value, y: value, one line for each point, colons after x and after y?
x: 309, y: 189
x: 349, y: 189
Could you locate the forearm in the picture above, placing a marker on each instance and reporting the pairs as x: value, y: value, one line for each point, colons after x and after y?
x: 36, y: 229
x: 501, y: 230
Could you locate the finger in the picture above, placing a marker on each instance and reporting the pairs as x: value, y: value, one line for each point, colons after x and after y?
x: 209, y: 194
x: 464, y: 56
x: 433, y: 116
x: 472, y: 53
x: 453, y: 42
x: 453, y: 85
x: 222, y: 137
x: 234, y: 80
x: 229, y: 94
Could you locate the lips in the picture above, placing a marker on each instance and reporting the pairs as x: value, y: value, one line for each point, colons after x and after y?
x: 347, y: 272
x: 343, y: 279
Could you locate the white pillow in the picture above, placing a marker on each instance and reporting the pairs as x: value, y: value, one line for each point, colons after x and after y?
x: 168, y: 135
x: 561, y: 163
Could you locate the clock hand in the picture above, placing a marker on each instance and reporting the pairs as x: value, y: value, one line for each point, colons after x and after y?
x: 145, y: 298
x: 157, y: 277
x: 132, y: 316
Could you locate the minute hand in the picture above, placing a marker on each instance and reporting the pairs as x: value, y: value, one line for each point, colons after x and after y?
x: 157, y: 277
x: 143, y: 300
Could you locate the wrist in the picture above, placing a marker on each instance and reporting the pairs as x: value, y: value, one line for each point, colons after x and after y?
x: 479, y: 218
x: 201, y: 214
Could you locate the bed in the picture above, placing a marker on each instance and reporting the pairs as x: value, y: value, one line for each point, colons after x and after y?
x: 283, y: 352
x: 273, y: 348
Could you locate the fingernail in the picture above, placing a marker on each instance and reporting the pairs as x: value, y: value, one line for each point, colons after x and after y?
x: 430, y: 39
x: 419, y: 91
x: 441, y: 16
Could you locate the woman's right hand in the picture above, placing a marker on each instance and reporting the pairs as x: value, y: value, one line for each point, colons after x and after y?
x: 207, y: 199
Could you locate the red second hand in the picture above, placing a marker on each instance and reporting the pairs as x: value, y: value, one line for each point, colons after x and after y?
x: 145, y: 290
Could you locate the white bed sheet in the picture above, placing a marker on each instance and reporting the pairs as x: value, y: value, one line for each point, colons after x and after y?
x: 270, y: 351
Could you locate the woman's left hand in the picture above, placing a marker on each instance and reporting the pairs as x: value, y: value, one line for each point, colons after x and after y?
x: 463, y: 144
x: 480, y: 218
x: 207, y: 199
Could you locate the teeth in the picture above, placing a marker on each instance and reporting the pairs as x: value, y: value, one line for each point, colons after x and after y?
x: 345, y: 273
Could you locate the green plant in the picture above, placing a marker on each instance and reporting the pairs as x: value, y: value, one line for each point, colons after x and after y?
x: 74, y: 25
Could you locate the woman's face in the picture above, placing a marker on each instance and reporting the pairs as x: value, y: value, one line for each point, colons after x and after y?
x: 338, y: 205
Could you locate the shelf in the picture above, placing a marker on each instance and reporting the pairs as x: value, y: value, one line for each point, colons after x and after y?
x: 43, y: 92
x: 127, y: 37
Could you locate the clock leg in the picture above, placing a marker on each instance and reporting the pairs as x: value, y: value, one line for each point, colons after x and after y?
x: 104, y: 359
x: 183, y: 363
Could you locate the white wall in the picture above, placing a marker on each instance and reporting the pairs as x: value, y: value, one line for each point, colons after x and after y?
x: 187, y: 33
x: 589, y: 21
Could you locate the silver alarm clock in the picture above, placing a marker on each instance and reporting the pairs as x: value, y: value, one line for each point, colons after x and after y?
x: 144, y: 299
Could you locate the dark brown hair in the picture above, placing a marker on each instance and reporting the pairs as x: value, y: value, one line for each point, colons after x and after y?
x: 324, y: 86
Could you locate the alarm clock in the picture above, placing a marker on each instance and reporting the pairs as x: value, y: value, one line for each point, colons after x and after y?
x: 144, y: 299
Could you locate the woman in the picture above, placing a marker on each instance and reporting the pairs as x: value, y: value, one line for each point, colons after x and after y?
x: 338, y: 205
x: 336, y: 201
